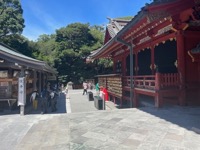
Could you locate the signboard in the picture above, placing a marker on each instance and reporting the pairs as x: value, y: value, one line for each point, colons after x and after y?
x: 21, y: 91
x: 51, y: 78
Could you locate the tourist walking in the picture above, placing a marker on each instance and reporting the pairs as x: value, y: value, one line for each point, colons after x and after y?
x: 85, y: 87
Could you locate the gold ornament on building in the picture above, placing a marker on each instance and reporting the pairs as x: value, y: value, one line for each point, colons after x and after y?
x: 153, y: 66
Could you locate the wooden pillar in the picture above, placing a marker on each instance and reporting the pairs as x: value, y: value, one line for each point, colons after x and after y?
x: 10, y: 75
x: 124, y: 66
x: 136, y: 64
x: 181, y: 65
x: 152, y: 60
x: 40, y: 82
x: 44, y: 79
x: 114, y: 65
x: 135, y: 99
x: 158, y: 96
x: 34, y: 80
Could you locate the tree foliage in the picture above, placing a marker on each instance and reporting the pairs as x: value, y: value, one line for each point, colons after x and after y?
x: 11, y: 20
x: 68, y: 48
x: 20, y: 43
x: 75, y: 42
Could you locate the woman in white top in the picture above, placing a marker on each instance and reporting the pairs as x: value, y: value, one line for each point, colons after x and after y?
x: 34, y: 100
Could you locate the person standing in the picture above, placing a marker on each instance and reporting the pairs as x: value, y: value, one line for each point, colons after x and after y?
x: 44, y: 98
x: 105, y: 93
x: 85, y: 86
x: 97, y: 89
x: 53, y: 100
x: 34, y: 100
x: 66, y: 89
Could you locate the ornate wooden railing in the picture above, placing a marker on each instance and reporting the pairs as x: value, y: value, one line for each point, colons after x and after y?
x: 153, y: 82
x: 168, y: 80
x: 147, y: 81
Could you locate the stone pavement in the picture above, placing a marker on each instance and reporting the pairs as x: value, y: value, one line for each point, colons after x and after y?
x: 146, y: 128
x: 80, y: 103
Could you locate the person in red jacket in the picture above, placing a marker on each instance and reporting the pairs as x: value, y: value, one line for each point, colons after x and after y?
x: 105, y: 92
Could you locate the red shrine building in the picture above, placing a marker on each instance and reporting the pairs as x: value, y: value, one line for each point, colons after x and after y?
x: 156, y: 54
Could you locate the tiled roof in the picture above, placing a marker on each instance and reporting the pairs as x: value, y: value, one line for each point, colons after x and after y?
x: 141, y: 14
x: 156, y: 2
x: 10, y: 52
x: 16, y: 57
x: 115, y: 25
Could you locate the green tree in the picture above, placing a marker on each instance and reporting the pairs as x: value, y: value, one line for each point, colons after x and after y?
x: 75, y: 36
x: 46, y: 49
x: 19, y: 43
x: 75, y: 42
x: 11, y: 20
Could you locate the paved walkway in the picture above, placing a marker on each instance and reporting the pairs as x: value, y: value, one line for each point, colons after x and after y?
x: 147, y: 128
x: 80, y: 103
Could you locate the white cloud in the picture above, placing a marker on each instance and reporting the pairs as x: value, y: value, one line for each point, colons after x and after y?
x: 33, y: 32
x: 46, y: 23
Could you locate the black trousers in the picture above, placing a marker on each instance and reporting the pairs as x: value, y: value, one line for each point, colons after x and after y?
x: 84, y: 91
x: 44, y: 105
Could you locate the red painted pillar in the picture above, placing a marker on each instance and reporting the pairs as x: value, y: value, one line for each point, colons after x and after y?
x: 158, y: 96
x: 181, y: 65
x: 152, y: 60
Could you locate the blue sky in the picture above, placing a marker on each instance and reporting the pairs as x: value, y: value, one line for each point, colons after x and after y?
x: 45, y: 16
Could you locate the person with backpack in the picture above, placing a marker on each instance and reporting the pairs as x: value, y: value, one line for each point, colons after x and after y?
x: 44, y: 98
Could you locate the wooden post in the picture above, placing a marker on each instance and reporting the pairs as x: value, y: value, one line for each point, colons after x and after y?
x: 136, y: 104
x: 158, y: 97
x: 114, y: 65
x: 181, y: 65
x: 124, y: 66
x: 40, y: 82
x: 22, y: 105
x: 136, y: 64
x: 10, y: 75
x: 152, y: 60
x: 34, y: 80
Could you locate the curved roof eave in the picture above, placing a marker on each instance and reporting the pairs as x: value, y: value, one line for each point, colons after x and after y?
x: 140, y: 15
x: 135, y: 20
x: 17, y: 56
x: 20, y: 59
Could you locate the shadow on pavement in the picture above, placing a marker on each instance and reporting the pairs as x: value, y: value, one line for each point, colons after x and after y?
x: 186, y: 117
